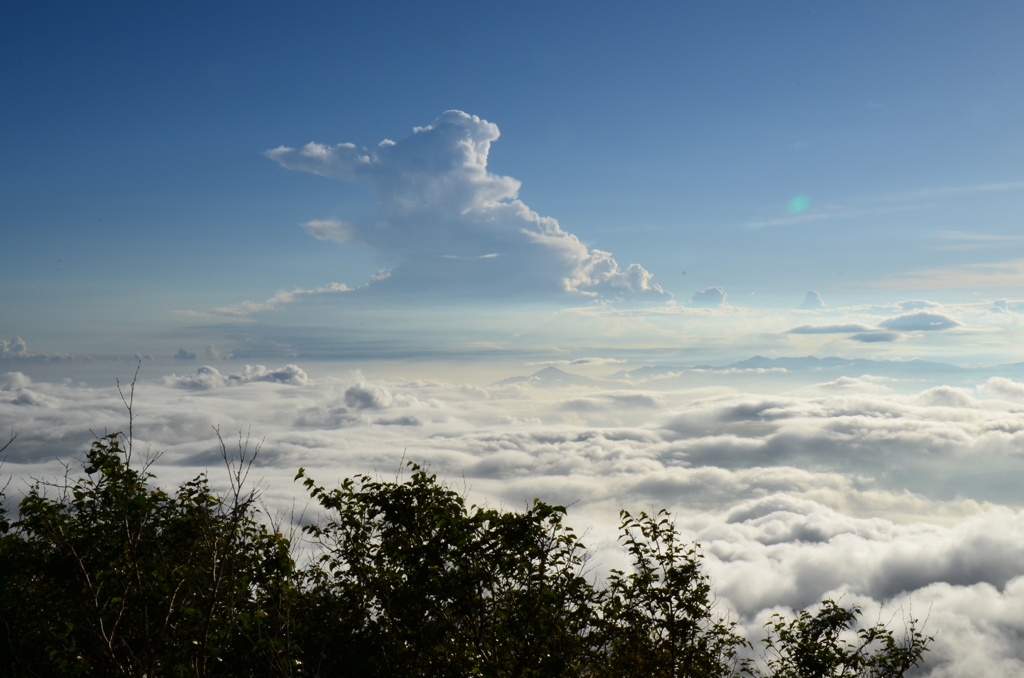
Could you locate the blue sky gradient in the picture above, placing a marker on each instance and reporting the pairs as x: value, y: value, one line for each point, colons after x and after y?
x: 134, y: 185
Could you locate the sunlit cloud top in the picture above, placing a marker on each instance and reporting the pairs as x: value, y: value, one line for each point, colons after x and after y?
x: 439, y: 202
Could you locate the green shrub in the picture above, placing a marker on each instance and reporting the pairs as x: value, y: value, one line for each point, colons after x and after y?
x: 109, y: 575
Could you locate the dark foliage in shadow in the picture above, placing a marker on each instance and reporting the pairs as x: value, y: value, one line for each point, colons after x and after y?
x: 108, y: 574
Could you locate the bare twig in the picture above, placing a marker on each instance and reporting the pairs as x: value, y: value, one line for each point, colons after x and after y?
x: 14, y: 435
x: 128, y: 402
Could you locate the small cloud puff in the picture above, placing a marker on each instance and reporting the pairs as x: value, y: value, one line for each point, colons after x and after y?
x: 812, y: 302
x: 16, y: 348
x: 712, y: 297
x: 207, y: 377
x: 12, y: 381
x: 364, y: 396
x: 1004, y: 388
x: 946, y: 396
x: 329, y: 229
x: 439, y: 200
x: 920, y: 322
x: 18, y: 384
x: 182, y: 354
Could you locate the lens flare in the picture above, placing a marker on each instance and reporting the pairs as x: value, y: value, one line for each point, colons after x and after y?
x: 799, y: 204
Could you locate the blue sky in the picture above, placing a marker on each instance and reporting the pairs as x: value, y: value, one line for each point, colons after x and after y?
x: 134, y: 184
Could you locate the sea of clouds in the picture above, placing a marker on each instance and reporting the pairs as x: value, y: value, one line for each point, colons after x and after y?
x: 903, y: 503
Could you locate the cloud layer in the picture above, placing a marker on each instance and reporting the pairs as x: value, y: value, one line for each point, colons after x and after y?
x: 207, y: 377
x: 451, y: 220
x: 844, y: 488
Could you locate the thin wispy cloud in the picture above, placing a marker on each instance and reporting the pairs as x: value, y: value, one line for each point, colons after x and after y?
x: 829, y: 329
x: 975, y: 241
x: 1003, y: 274
x: 833, y: 213
x: 482, y: 256
x: 580, y: 361
x: 283, y: 297
x: 330, y: 229
x: 949, y: 191
x: 887, y: 204
x: 983, y: 237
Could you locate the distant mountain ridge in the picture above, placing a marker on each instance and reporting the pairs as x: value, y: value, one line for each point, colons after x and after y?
x: 802, y: 364
x: 810, y: 362
x: 831, y: 365
x: 551, y: 377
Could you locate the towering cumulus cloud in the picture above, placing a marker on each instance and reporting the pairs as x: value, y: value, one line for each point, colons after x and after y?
x: 450, y: 220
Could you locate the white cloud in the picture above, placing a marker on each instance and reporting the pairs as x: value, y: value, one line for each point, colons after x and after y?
x: 17, y: 385
x: 812, y: 302
x: 329, y: 229
x: 1001, y: 387
x: 920, y: 322
x: 16, y: 348
x: 13, y: 381
x: 207, y: 377
x: 439, y: 200
x: 287, y: 297
x: 710, y: 298
x: 282, y: 297
x: 363, y: 396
